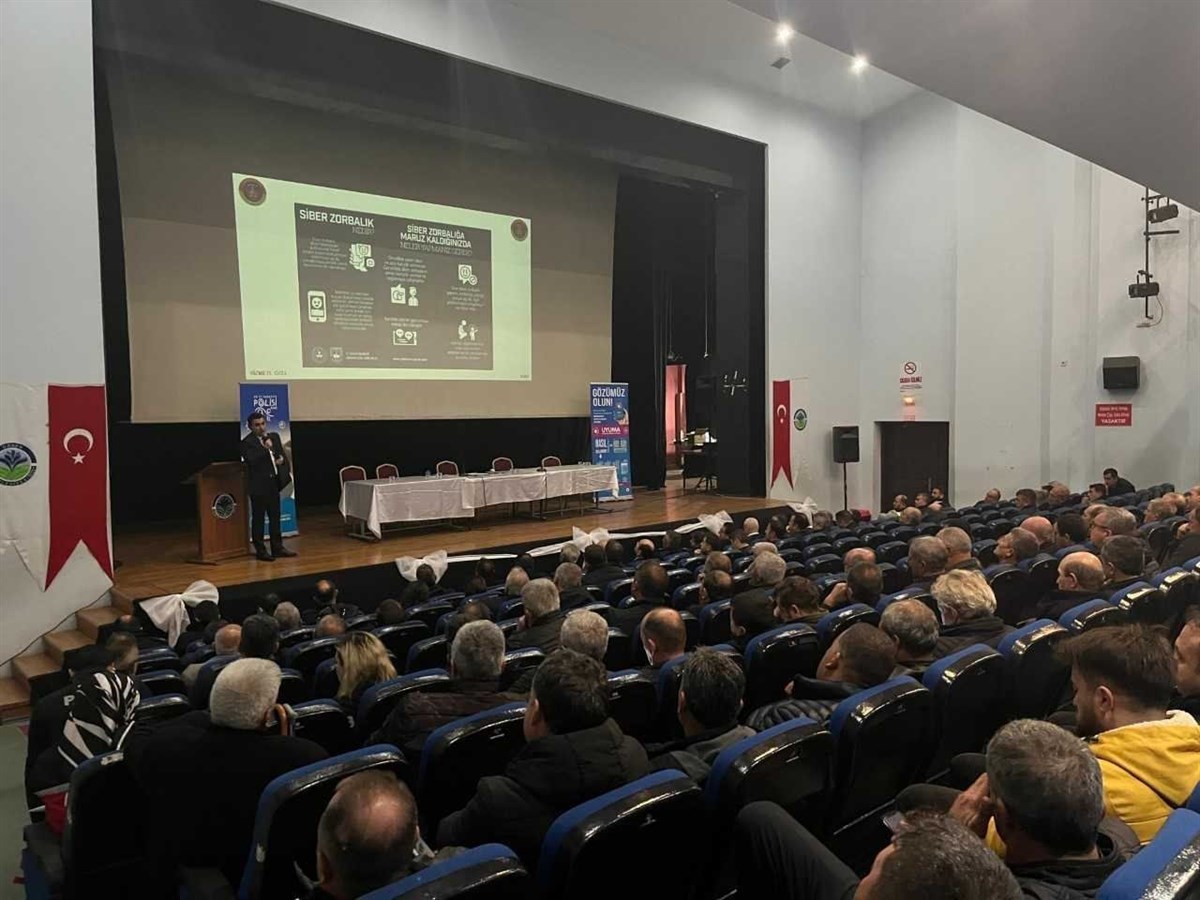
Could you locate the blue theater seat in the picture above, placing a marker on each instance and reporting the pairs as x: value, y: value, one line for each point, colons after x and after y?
x: 1016, y: 594
x: 1035, y: 678
x: 834, y: 623
x: 517, y: 663
x: 285, y: 826
x: 1168, y: 868
x: 158, y: 660
x: 617, y: 656
x: 715, y: 624
x: 430, y: 611
x: 1093, y: 614
x: 632, y: 701
x: 490, y: 872
x: 666, y: 725
x: 162, y: 682
x: 1143, y: 604
x: 159, y: 709
x: 202, y: 686
x: 325, y: 679
x: 891, y: 552
x: 428, y: 653
x: 686, y: 595
x: 324, y: 722
x: 398, y: 638
x: 618, y: 590
x: 968, y: 701
x: 640, y: 825
x: 378, y: 701
x: 824, y: 562
x: 292, y: 687
x: 774, y: 657
x: 305, y: 658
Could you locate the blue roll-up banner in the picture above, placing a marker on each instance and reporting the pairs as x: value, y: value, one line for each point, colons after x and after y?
x: 272, y: 401
x: 610, y: 435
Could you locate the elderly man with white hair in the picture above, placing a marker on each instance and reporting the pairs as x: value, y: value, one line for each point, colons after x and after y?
x: 968, y: 611
x: 585, y: 632
x: 542, y: 621
x: 568, y: 578
x: 1110, y: 521
x: 231, y: 755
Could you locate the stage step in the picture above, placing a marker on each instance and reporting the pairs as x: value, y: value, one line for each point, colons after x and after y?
x: 90, y: 621
x: 27, y: 668
x: 121, y: 601
x: 59, y: 642
x: 14, y: 700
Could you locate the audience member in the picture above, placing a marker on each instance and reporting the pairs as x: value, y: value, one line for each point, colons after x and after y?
x: 1123, y: 557
x: 1015, y: 546
x: 798, y: 600
x: 1069, y: 530
x: 528, y: 563
x: 1123, y: 678
x: 288, y: 616
x: 327, y: 599
x: 389, y: 612
x: 926, y: 560
x: 1110, y: 521
x: 913, y: 628
x: 1026, y: 498
x: 921, y: 501
x: 863, y: 584
x: 597, y: 570
x: 475, y: 585
x: 937, y: 495
x: 542, y: 620
x: 471, y: 611
x: 476, y: 660
x: 1080, y: 578
x: 716, y: 562
x: 232, y: 754
x: 750, y: 614
x: 1178, y: 502
x: 992, y: 495
x: 766, y: 571
x: 738, y: 542
x: 664, y: 638
x: 776, y: 529
x: 644, y: 550
x: 1187, y: 667
x: 1042, y: 530
x: 1040, y: 803
x: 1060, y: 495
x: 330, y: 625
x: 486, y: 569
x: 710, y: 697
x: 1115, y: 484
x: 1192, y: 497
x: 714, y: 543
x: 822, y: 520
x: 574, y: 752
x: 672, y: 541
x: 860, y: 657
x: 931, y: 858
x: 750, y: 527
x: 260, y: 637
x: 367, y: 837
x: 429, y: 578
x: 714, y: 587
x: 650, y: 585
x: 1186, y: 544
x: 911, y: 515
x: 568, y: 578
x: 1159, y: 509
x: 201, y: 616
x: 958, y: 550
x: 225, y: 643
x: 361, y: 662
x: 761, y: 547
x: 856, y: 556
x: 515, y: 581
x: 1097, y: 492
x: 968, y: 611
x: 585, y: 632
x: 414, y: 594
x: 844, y: 518
x: 797, y: 524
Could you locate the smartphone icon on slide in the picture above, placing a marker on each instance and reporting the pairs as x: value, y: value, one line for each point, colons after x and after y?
x: 316, y: 306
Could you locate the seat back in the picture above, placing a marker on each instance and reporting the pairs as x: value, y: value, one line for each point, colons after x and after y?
x: 834, y: 623
x: 985, y: 552
x: 447, y: 467
x: 502, y: 464
x: 904, y: 533
x: 715, y: 626
x: 158, y: 660
x: 489, y: 872
x: 430, y: 611
x: 378, y: 701
x: 398, y: 638
x: 365, y: 622
x: 352, y: 473
x: 617, y: 656
x: 164, y: 681
x: 324, y: 722
x: 305, y: 658
x: 203, y: 684
x: 825, y: 562
x: 296, y: 636
x: 894, y: 579
x: 1043, y: 572
x: 741, y: 582
x: 617, y: 590
x: 640, y: 824
x: 161, y: 708
x: 1092, y: 614
x: 666, y: 725
x: 325, y: 679
x: 1168, y: 868
x: 968, y: 702
x: 387, y: 470
x: 285, y: 825
x: 459, y: 753
x: 293, y: 688
x: 1074, y: 548
x: 774, y: 657
x: 103, y: 845
x: 686, y: 595
x: 884, y: 740
x: 517, y: 663
x: 843, y: 545
x: 428, y: 653
x: 1143, y: 603
x: 1016, y: 594
x: 632, y: 701
x: 513, y: 608
x: 1035, y: 678
x: 790, y: 764
x: 892, y: 551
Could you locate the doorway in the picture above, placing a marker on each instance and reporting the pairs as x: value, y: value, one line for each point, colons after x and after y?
x: 913, y: 457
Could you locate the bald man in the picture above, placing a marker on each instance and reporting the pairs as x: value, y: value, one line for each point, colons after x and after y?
x: 992, y: 496
x: 225, y: 643
x: 664, y: 637
x: 1080, y: 578
x: 856, y: 556
x: 1042, y: 529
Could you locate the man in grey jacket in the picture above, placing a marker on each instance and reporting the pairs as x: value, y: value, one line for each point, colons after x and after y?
x: 710, y: 698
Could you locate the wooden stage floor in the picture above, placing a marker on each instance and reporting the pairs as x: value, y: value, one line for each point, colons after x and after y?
x: 154, y: 560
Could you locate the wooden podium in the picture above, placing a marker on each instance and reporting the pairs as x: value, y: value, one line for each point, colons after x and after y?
x: 222, y: 515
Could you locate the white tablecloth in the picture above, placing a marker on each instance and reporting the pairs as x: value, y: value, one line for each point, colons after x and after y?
x: 421, y: 498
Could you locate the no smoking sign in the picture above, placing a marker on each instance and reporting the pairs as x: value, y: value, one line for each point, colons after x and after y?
x: 910, y: 380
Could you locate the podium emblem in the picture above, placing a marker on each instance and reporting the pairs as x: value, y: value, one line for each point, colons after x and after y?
x: 224, y: 506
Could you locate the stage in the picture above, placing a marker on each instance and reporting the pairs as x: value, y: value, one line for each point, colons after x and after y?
x: 153, y: 561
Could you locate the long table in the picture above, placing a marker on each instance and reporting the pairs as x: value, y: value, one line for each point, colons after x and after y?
x: 376, y: 502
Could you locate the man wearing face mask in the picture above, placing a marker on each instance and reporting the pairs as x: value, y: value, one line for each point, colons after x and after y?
x: 664, y: 637
x: 233, y: 751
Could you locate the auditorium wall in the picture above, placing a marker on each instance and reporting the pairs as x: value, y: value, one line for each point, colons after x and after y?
x: 50, y: 299
x: 1001, y: 263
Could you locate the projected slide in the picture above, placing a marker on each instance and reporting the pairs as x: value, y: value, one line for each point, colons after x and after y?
x: 339, y: 284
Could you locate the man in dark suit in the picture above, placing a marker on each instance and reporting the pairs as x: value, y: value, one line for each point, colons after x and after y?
x: 267, y: 473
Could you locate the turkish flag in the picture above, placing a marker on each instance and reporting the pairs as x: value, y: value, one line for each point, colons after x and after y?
x: 781, y: 458
x: 78, y: 454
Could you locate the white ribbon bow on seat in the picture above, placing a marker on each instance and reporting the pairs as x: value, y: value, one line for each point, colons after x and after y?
x: 437, y: 560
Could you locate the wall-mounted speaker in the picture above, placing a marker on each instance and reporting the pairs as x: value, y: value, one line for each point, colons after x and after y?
x: 845, y: 443
x: 1121, y: 373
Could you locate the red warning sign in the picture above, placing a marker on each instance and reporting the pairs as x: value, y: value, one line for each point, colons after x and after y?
x: 1110, y: 415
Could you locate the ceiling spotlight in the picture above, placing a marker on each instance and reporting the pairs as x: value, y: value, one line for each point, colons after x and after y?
x: 784, y: 32
x: 858, y: 65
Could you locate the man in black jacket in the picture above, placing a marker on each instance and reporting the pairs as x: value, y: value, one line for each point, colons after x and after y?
x: 1186, y: 544
x: 1115, y: 484
x: 650, y: 584
x: 542, y: 620
x: 597, y: 570
x: 968, y: 609
x: 574, y: 752
x: 1080, y: 578
x: 268, y: 472
x: 568, y: 578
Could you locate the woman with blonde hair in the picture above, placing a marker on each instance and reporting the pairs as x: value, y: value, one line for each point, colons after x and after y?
x: 362, y: 661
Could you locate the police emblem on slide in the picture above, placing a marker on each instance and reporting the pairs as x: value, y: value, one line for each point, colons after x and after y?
x: 800, y: 420
x: 519, y: 229
x: 224, y: 506
x: 253, y: 191
x: 17, y: 464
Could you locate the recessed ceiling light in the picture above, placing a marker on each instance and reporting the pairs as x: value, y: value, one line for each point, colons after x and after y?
x: 784, y: 32
x: 859, y: 64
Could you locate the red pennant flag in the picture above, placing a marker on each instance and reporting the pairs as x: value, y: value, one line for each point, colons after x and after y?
x: 78, y: 453
x: 781, y: 458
